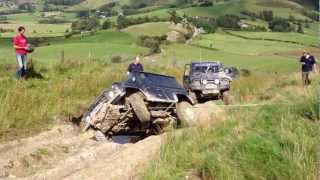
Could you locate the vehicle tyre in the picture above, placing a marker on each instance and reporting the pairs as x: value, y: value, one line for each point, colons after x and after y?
x: 226, y: 98
x: 194, y: 97
x: 186, y: 114
x: 139, y: 107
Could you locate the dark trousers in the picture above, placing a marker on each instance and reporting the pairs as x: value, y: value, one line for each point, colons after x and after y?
x: 306, y: 78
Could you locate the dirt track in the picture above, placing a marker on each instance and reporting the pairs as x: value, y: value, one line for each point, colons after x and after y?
x: 62, y: 153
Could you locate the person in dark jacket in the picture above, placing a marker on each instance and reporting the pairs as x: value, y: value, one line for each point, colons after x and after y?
x: 308, y: 64
x: 135, y: 67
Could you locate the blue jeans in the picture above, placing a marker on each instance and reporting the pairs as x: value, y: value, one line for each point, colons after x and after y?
x: 22, y: 65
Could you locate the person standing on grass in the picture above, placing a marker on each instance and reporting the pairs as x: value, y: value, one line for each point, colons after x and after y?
x: 308, y: 64
x: 20, y: 44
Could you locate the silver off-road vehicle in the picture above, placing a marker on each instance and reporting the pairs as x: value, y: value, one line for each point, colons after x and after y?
x: 146, y: 104
x: 208, y: 80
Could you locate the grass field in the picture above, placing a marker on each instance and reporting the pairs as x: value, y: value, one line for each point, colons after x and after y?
x: 274, y: 141
x: 277, y: 142
x: 150, y: 29
x: 235, y: 7
x: 295, y: 37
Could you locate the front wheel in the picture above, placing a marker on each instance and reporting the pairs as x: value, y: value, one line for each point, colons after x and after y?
x: 186, y: 114
x: 139, y: 107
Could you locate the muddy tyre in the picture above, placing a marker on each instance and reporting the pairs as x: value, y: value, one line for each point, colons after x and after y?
x: 139, y: 107
x: 226, y: 98
x: 186, y: 114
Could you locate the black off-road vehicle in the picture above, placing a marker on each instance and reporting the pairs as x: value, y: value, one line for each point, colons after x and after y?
x: 146, y: 103
x: 208, y: 80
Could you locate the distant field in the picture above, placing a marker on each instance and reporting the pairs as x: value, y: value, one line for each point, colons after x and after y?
x: 36, y: 30
x: 292, y: 36
x: 235, y: 7
x: 102, y: 46
x: 151, y: 29
x: 89, y: 4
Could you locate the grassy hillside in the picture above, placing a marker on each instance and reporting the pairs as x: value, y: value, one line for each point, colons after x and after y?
x: 282, y: 8
x: 277, y: 141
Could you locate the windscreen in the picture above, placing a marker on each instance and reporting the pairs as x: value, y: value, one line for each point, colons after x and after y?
x: 205, y: 68
x: 158, y: 80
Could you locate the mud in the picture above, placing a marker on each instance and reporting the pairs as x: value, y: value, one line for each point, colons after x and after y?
x: 64, y: 153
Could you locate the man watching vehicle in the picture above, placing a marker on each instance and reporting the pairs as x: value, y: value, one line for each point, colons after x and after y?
x: 308, y: 64
x: 135, y: 67
x: 20, y: 43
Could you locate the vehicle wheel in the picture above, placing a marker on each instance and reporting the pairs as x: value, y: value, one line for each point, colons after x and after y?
x: 226, y: 98
x: 194, y: 97
x: 139, y: 107
x: 186, y: 114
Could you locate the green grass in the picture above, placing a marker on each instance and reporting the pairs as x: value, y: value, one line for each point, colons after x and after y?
x: 36, y: 30
x: 267, y: 142
x: 235, y: 7
x: 150, y: 29
x: 89, y: 4
x: 247, y: 54
x: 103, y: 45
x: 291, y: 36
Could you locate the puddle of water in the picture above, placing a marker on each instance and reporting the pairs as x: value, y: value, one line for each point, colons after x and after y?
x: 126, y: 139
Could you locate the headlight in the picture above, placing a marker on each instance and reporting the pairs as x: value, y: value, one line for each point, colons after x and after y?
x: 204, y: 81
x: 216, y: 81
x: 111, y: 94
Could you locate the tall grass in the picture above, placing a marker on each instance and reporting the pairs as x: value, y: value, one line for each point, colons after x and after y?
x: 30, y: 106
x: 267, y: 142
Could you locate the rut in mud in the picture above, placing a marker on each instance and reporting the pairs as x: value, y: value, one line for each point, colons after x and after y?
x: 64, y: 153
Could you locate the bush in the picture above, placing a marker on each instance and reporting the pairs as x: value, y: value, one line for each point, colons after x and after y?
x: 280, y: 25
x: 152, y: 42
x: 4, y: 30
x: 300, y: 29
x: 208, y: 24
x: 116, y: 59
x: 312, y: 15
x: 229, y: 21
x: 87, y: 24
x: 123, y: 21
x: 3, y: 18
x: 266, y: 15
x: 174, y: 17
x: 106, y: 24
x: 52, y: 21
x: 63, y: 2
x: 83, y: 14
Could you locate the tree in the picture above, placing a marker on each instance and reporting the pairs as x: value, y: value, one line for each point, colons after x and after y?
x: 229, y: 21
x: 280, y: 25
x: 122, y: 22
x: 87, y: 24
x: 83, y: 14
x: 267, y: 15
x: 106, y: 24
x: 174, y: 17
x: 300, y: 29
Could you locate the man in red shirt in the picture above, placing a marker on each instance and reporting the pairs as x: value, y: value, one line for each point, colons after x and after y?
x: 20, y: 43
